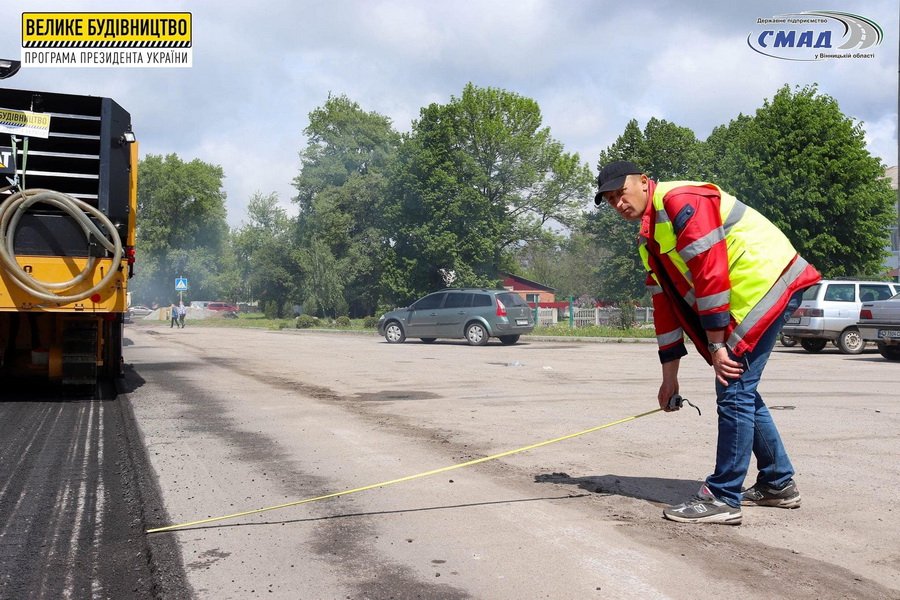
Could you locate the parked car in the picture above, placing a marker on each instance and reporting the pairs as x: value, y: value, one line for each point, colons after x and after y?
x: 829, y: 313
x: 136, y: 311
x: 227, y: 309
x: 879, y: 322
x: 139, y: 310
x: 469, y: 313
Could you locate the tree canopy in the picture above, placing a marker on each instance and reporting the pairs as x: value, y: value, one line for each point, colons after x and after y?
x: 181, y: 230
x: 263, y: 249
x: 342, y: 192
x: 798, y: 160
x: 801, y: 162
x: 476, y: 178
x: 479, y: 186
x: 664, y: 151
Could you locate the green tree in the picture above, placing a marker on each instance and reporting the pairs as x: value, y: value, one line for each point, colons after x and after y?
x: 569, y: 266
x: 801, y: 162
x: 181, y: 230
x: 341, y: 188
x: 262, y: 246
x: 475, y: 179
x: 323, y: 280
x: 664, y: 151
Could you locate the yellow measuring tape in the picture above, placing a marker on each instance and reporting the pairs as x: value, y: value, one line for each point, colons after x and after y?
x: 402, y: 479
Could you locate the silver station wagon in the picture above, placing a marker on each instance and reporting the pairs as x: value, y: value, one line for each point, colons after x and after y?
x: 829, y: 312
x: 473, y: 314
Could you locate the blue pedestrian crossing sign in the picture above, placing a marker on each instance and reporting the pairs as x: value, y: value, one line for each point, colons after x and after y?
x: 181, y: 284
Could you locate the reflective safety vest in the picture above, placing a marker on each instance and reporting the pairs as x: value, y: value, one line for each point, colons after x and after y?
x: 758, y: 254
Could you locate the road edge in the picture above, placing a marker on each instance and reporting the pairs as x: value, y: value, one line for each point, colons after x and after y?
x: 162, y: 551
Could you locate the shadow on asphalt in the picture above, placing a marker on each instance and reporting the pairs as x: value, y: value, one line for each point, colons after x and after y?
x: 652, y: 489
x: 399, y: 511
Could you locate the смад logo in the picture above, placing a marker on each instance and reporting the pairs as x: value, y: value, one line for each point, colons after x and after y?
x: 816, y: 35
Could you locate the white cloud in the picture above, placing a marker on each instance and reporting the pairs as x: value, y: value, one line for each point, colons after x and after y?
x: 260, y: 68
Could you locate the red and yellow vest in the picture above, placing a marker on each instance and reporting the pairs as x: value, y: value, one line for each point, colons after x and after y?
x: 763, y: 265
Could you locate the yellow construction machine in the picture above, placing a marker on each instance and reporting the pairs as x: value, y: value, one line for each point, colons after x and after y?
x: 68, y: 201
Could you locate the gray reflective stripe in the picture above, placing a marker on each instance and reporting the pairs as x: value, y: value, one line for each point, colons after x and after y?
x: 654, y: 290
x: 702, y: 245
x: 672, y: 337
x: 772, y: 297
x: 737, y: 211
x: 714, y: 300
x: 662, y: 216
x: 690, y: 298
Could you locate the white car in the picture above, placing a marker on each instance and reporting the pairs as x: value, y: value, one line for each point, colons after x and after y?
x: 829, y: 312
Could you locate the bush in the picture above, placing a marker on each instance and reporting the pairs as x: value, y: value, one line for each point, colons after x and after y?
x: 343, y: 321
x: 307, y: 321
x: 270, y: 309
x: 287, y: 310
x: 626, y: 315
x: 370, y: 322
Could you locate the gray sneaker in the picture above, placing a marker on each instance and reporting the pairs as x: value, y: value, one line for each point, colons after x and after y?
x: 763, y: 495
x: 704, y: 508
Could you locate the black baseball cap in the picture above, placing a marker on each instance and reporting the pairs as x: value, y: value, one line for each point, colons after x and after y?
x: 612, y: 177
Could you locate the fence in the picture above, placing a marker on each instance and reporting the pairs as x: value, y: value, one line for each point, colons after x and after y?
x: 582, y: 317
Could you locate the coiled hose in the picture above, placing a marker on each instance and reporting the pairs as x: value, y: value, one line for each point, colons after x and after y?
x: 12, y: 210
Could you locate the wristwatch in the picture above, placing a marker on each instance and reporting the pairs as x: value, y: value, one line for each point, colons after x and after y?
x: 714, y: 346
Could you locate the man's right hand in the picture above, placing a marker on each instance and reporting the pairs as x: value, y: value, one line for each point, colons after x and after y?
x: 669, y: 386
x: 666, y: 391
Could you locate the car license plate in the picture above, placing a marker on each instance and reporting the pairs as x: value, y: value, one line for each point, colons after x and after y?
x: 521, y: 321
x: 793, y: 321
x: 889, y: 333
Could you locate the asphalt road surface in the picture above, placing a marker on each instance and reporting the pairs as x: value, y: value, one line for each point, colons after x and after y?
x: 234, y: 420
x: 72, y: 509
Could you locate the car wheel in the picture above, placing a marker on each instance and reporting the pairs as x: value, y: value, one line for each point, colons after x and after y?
x: 476, y: 334
x: 813, y: 344
x: 393, y: 333
x: 427, y: 340
x: 788, y: 341
x: 850, y: 342
x: 509, y: 340
x: 889, y: 352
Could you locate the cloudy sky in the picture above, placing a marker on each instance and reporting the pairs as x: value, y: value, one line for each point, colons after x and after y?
x: 260, y: 67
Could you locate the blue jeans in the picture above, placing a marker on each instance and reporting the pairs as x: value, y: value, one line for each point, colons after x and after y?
x: 746, y: 425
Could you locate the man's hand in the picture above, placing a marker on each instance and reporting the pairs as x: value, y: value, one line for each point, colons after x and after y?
x: 669, y: 386
x: 666, y: 391
x: 725, y: 367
